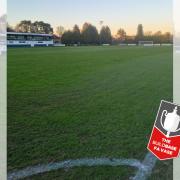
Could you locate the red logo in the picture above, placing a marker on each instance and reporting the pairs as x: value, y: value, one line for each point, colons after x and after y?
x: 164, y: 142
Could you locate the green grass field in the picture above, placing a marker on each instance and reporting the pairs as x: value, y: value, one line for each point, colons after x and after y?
x: 75, y: 102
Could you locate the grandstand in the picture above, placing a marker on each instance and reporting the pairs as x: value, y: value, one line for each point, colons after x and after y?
x: 28, y: 39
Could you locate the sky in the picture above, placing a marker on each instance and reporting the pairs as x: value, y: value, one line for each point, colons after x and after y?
x: 127, y: 14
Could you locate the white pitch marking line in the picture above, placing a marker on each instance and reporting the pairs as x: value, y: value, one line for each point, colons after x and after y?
x: 144, y: 169
x: 148, y: 164
x: 33, y: 170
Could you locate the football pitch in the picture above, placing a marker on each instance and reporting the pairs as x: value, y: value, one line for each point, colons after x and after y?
x: 85, y: 102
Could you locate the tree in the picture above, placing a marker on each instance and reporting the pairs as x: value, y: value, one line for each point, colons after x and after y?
x: 41, y: 27
x: 105, y: 35
x: 76, y: 34
x: 36, y: 27
x: 157, y: 37
x: 148, y: 33
x: 167, y: 37
x: 89, y: 34
x: 121, y: 35
x: 24, y: 26
x: 85, y: 26
x: 71, y: 37
x: 158, y: 33
x: 140, y: 33
x: 67, y: 37
x: 10, y: 28
x: 60, y: 31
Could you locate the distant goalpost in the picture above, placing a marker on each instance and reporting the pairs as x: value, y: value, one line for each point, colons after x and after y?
x: 145, y: 43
